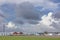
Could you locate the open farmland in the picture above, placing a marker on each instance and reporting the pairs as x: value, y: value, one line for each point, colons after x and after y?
x: 29, y: 38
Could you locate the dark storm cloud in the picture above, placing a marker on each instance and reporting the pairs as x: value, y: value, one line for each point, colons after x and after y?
x: 27, y: 11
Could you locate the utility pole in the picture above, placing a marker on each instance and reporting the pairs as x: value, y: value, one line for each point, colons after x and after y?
x: 3, y: 30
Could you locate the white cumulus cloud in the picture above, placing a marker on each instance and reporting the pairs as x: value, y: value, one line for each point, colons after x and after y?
x: 47, y: 19
x: 11, y: 25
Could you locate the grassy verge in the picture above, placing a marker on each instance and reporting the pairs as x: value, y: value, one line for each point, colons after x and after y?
x: 28, y: 38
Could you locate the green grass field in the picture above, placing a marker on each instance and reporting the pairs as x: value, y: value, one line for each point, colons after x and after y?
x: 28, y: 38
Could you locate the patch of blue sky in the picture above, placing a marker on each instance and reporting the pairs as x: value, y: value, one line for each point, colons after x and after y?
x: 55, y: 1
x: 46, y: 11
x: 39, y: 8
x: 43, y: 11
x: 9, y: 10
x: 10, y: 19
x: 58, y: 7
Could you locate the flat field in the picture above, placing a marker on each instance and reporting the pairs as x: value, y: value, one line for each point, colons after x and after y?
x: 29, y: 38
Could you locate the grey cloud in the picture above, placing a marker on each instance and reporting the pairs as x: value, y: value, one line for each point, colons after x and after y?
x: 56, y: 15
x: 56, y: 26
x: 13, y: 30
x: 27, y: 11
x: 18, y: 22
x: 56, y: 22
x: 33, y: 22
x: 23, y: 21
x: 29, y: 28
x: 1, y: 15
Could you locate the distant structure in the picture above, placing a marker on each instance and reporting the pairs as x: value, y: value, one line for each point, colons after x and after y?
x: 30, y: 34
x: 17, y: 33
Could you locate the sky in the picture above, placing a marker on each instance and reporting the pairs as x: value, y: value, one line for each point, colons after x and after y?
x: 30, y: 15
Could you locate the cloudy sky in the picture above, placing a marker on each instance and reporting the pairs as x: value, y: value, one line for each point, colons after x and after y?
x: 30, y: 15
